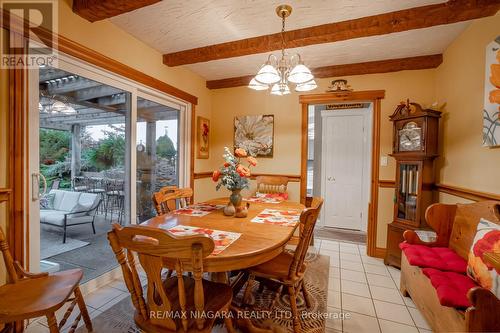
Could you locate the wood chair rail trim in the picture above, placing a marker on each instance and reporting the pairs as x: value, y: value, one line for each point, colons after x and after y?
x: 403, y: 20
x: 291, y: 178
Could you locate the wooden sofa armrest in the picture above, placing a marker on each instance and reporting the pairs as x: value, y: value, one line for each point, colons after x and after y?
x: 492, y: 259
x: 411, y: 237
x: 440, y: 218
x: 482, y: 316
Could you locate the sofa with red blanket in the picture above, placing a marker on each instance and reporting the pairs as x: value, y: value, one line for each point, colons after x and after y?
x: 454, y: 280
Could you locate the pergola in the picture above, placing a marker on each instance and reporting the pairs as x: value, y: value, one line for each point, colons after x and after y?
x: 93, y: 103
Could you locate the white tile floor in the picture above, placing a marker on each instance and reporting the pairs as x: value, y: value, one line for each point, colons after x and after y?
x: 360, y: 288
x: 366, y: 293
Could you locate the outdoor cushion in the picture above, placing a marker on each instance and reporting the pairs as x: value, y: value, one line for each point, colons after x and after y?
x: 69, y: 200
x: 59, y: 194
x: 451, y: 287
x: 52, y: 216
x: 487, y: 239
x: 89, y: 200
x: 441, y: 258
x: 57, y: 217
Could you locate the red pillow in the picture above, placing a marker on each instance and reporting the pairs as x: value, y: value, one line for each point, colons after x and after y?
x: 451, y: 287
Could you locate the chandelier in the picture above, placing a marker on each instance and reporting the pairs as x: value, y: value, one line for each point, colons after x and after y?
x: 277, y: 74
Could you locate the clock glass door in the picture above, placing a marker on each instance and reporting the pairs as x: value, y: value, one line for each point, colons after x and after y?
x: 407, y: 195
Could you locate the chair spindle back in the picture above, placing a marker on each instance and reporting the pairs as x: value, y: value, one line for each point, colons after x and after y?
x: 272, y: 184
x: 8, y: 260
x: 152, y: 245
x: 308, y: 220
x: 166, y: 199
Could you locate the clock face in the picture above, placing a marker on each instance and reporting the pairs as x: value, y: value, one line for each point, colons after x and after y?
x: 410, y: 137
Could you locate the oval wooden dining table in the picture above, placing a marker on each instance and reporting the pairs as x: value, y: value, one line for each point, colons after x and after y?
x: 257, y: 244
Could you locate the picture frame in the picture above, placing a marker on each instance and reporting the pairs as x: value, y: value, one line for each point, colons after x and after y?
x: 491, y: 109
x: 255, y: 134
x: 203, y: 138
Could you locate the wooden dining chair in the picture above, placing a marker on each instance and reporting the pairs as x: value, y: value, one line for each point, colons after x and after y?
x: 173, y: 304
x: 29, y: 295
x: 289, y: 269
x: 272, y: 184
x: 167, y: 199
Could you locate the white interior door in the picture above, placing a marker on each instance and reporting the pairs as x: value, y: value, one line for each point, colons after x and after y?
x: 344, y: 160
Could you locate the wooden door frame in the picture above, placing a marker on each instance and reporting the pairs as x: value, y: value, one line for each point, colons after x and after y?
x: 375, y: 97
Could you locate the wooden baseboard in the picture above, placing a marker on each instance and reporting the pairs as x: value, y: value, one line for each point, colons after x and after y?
x: 380, y: 252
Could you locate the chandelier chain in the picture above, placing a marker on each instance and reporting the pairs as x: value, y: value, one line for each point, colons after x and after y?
x: 283, y: 17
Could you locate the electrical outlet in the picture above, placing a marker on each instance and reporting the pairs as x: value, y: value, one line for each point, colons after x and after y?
x: 383, y: 161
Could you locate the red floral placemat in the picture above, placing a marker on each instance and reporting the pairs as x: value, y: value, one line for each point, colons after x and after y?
x: 222, y: 239
x: 286, y: 218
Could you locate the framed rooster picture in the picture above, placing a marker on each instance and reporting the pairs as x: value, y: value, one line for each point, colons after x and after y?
x: 203, y: 138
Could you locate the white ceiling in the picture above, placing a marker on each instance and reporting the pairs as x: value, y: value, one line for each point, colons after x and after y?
x: 176, y: 25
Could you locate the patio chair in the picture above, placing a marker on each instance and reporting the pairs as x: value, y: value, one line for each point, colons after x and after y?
x: 115, y: 198
x: 79, y: 184
x: 69, y: 209
x: 95, y: 185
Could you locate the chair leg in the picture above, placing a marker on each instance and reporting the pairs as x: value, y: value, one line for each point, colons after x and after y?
x: 307, y: 299
x: 295, y: 310
x: 64, y: 235
x: 248, y: 289
x: 229, y: 322
x: 93, y: 225
x: 83, y: 309
x: 52, y: 322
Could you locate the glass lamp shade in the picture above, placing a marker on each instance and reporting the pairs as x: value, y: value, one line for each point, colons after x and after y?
x: 280, y: 89
x: 300, y: 74
x: 267, y: 74
x: 307, y: 86
x: 256, y: 85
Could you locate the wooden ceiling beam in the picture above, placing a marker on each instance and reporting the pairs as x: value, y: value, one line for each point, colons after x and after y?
x: 409, y: 19
x: 372, y: 67
x: 97, y: 10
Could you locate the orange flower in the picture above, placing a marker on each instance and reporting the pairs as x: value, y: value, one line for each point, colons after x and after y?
x: 216, y: 175
x: 226, y: 165
x: 240, y: 152
x: 252, y: 160
x: 478, y: 269
x: 243, y: 171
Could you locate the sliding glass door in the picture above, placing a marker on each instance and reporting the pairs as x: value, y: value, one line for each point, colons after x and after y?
x: 100, y: 145
x: 157, y: 153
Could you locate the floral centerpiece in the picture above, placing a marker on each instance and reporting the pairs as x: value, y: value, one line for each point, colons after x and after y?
x: 233, y: 175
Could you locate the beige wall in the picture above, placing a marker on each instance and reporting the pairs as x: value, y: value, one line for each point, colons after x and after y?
x: 460, y: 83
x: 226, y: 103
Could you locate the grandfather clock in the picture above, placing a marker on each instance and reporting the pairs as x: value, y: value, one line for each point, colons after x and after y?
x: 415, y: 146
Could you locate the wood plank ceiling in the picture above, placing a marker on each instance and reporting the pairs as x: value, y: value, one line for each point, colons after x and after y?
x: 226, y: 41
